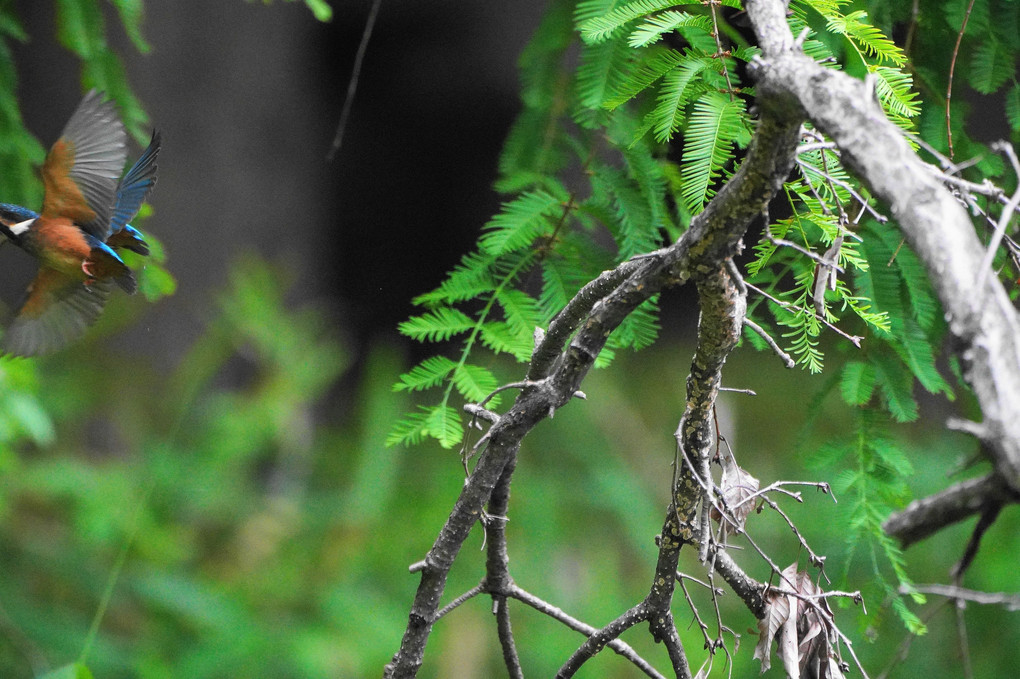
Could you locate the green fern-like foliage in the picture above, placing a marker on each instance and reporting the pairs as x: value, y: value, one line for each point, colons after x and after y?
x: 20, y: 153
x: 873, y: 466
x: 543, y: 245
x: 81, y: 29
x: 651, y: 74
x: 632, y: 116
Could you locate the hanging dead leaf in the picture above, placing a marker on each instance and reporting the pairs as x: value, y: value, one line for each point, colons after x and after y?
x: 737, y: 488
x: 801, y: 627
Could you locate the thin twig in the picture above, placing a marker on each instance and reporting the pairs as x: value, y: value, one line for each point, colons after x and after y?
x: 720, y: 54
x: 952, y: 69
x: 1011, y: 602
x: 856, y: 597
x: 506, y: 638
x: 879, y: 217
x: 804, y: 251
x: 473, y: 592
x: 684, y: 576
x: 961, y: 634
x: 815, y: 146
x: 1004, y: 220
x: 620, y: 647
x: 988, y: 517
x: 709, y: 641
x: 786, y: 358
x: 909, y: 40
x: 786, y: 305
x: 778, y: 486
x: 352, y: 85
x: 737, y: 390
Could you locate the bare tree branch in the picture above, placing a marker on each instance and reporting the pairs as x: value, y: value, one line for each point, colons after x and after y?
x: 929, y: 515
x: 1011, y: 602
x: 986, y: 332
x: 984, y: 327
x: 600, y: 307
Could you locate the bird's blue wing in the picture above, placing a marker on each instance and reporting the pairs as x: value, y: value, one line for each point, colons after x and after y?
x: 135, y: 185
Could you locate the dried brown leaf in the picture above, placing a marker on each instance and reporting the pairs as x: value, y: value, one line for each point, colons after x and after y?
x: 736, y: 487
x: 800, y: 627
x: 788, y: 650
x: 777, y: 612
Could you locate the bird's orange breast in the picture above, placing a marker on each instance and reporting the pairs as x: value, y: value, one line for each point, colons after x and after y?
x: 61, y: 245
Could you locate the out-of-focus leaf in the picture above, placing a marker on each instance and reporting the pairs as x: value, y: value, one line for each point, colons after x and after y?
x: 155, y: 282
x: 131, y: 15
x: 75, y: 671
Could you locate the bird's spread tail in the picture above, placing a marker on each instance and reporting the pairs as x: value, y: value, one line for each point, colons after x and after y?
x: 103, y: 262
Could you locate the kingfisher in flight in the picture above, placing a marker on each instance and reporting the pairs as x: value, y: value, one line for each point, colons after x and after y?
x: 84, y: 221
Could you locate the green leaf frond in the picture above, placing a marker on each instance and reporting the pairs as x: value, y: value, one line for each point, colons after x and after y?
x: 475, y: 382
x: 556, y: 288
x: 678, y: 87
x: 651, y: 65
x: 802, y: 340
x: 866, y: 37
x: 603, y: 68
x: 437, y: 325
x: 870, y: 469
x: 535, y: 149
x: 81, y: 29
x: 472, y: 277
x: 1013, y: 107
x: 923, y: 305
x: 131, y: 16
x: 896, y: 384
x: 631, y: 222
x: 652, y: 30
x: 576, y: 260
x: 893, y: 88
x: 862, y: 308
x: 992, y: 65
x: 439, y: 422
x: 427, y: 374
x: 857, y: 382
x: 521, y: 312
x: 802, y: 321
x: 764, y: 248
x: 587, y: 126
x: 915, y: 349
x: 541, y: 62
x: 600, y: 28
x: 641, y: 327
x: 500, y: 338
x: 520, y: 222
x: 649, y: 173
x: 824, y: 177
x: 715, y: 124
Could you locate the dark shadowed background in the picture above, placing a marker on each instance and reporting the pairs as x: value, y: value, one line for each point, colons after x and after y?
x: 249, y: 96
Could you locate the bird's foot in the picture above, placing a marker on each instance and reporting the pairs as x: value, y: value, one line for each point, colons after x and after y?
x: 86, y: 267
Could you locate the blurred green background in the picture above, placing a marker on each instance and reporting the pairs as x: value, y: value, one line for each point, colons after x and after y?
x: 268, y: 531
x: 211, y: 468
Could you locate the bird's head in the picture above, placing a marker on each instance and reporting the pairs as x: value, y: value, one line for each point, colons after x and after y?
x: 15, y: 220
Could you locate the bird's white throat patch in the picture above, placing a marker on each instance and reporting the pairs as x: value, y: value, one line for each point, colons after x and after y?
x: 21, y: 227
